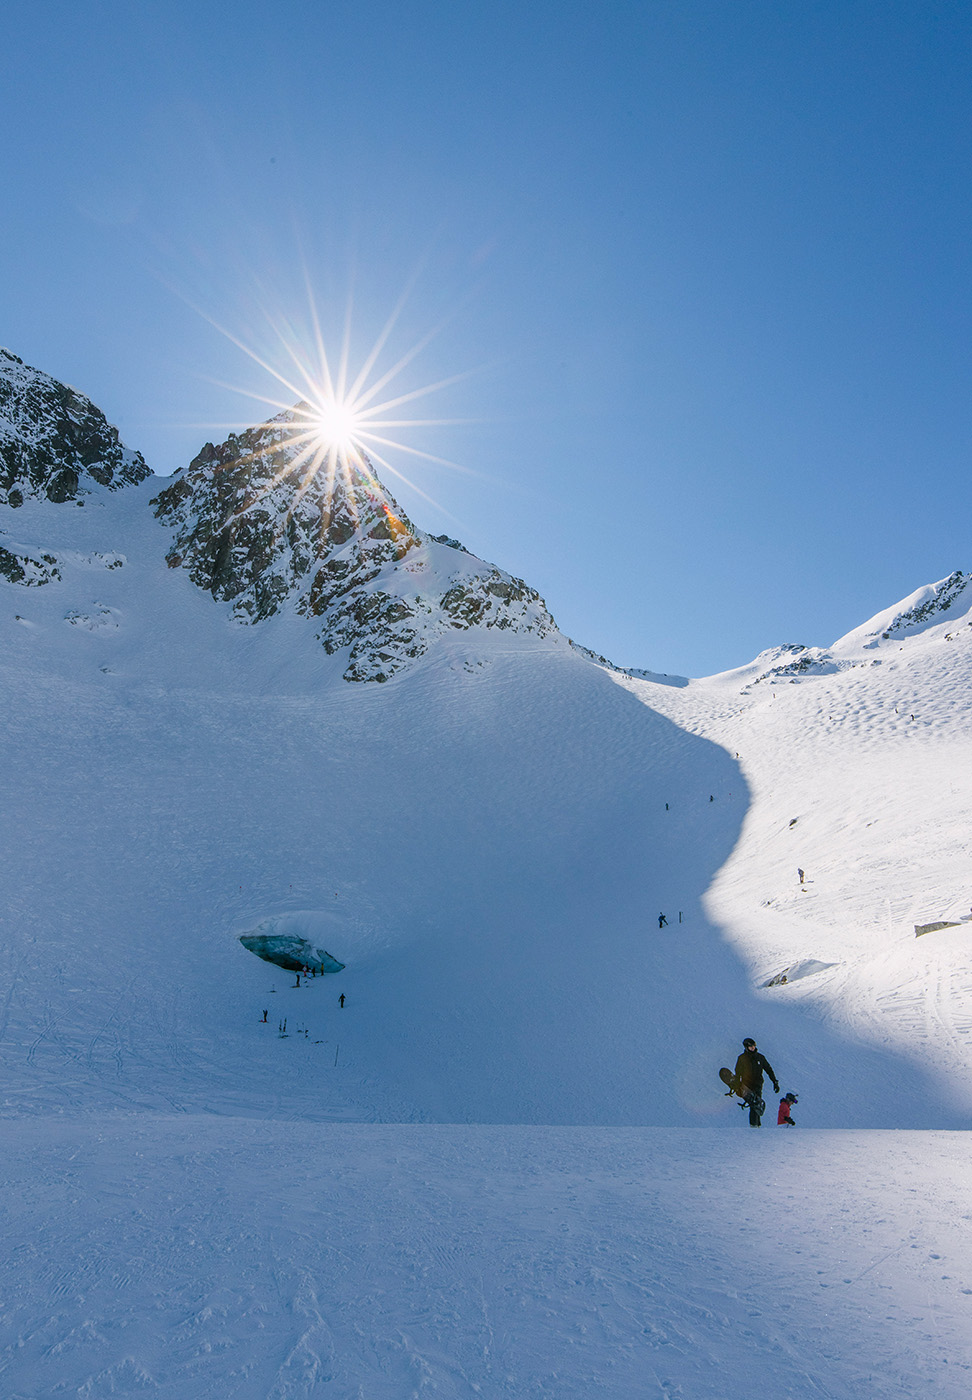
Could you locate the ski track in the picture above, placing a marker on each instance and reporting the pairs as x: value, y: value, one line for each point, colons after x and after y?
x: 221, y: 1259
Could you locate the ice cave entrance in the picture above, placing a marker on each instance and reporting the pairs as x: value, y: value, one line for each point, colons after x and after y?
x: 293, y: 942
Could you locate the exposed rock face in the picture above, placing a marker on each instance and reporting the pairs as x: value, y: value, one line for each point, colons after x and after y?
x: 26, y: 570
x: 54, y: 443
x: 257, y: 528
x: 943, y: 597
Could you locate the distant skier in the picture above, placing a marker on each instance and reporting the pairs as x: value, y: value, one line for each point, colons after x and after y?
x: 264, y: 1018
x: 297, y: 983
x: 783, y: 1119
x: 341, y: 1000
x: 800, y: 873
x: 662, y: 921
x: 749, y: 1077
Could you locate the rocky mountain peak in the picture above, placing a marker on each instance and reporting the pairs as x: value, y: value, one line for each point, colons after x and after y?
x: 54, y: 442
x: 259, y: 523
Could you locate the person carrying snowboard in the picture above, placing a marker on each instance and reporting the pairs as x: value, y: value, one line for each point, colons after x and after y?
x: 783, y: 1119
x: 749, y: 1076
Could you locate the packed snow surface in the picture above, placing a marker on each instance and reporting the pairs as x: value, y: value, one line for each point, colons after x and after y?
x: 237, y: 1259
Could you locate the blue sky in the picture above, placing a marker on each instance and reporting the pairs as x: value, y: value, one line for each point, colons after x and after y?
x: 708, y: 262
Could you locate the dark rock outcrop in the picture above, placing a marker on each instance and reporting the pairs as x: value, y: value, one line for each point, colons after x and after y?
x: 54, y: 443
x: 260, y: 522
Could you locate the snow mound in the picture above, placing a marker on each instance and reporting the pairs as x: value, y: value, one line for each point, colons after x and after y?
x: 808, y: 968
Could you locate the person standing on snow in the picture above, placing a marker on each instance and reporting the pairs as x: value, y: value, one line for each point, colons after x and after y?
x: 749, y: 1076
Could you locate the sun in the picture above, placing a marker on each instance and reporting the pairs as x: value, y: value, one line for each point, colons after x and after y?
x: 337, y: 426
x: 344, y: 419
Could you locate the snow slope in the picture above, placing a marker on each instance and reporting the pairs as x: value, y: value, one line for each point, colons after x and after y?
x: 230, y: 1259
x: 490, y: 828
x: 858, y: 761
x: 218, y: 1184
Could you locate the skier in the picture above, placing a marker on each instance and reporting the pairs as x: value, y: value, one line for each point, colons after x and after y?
x: 800, y: 873
x: 341, y: 1000
x: 662, y: 921
x: 749, y: 1077
x: 783, y: 1119
x: 264, y: 1017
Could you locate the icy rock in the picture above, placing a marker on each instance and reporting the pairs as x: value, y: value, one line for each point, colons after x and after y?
x: 25, y: 570
x: 290, y: 952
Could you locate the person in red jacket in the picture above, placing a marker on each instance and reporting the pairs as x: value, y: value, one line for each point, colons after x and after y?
x: 783, y: 1119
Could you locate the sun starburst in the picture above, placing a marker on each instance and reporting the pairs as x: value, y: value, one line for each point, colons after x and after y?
x: 340, y: 425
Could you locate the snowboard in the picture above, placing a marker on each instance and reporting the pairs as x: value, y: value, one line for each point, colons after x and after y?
x: 748, y: 1100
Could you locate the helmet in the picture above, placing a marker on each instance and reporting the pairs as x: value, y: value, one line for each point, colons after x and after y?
x: 790, y: 1098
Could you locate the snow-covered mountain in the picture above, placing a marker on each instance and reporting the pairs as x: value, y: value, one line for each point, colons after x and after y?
x: 497, y: 828
x: 54, y: 443
x: 259, y: 528
x: 225, y: 1185
x: 858, y: 762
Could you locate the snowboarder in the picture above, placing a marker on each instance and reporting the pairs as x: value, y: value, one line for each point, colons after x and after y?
x: 749, y: 1077
x: 662, y: 921
x: 341, y: 1000
x: 783, y: 1119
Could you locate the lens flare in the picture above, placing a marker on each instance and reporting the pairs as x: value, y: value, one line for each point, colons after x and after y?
x: 338, y: 423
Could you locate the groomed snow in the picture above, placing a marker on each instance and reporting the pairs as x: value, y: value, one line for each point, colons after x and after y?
x: 225, y: 1259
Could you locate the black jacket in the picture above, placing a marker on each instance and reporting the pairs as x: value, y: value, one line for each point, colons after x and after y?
x: 749, y: 1071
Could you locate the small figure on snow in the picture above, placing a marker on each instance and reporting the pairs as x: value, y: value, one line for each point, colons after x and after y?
x: 783, y: 1119
x: 662, y: 921
x: 264, y: 1018
x: 297, y: 983
x: 749, y: 1076
x: 800, y: 873
x: 341, y: 1000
